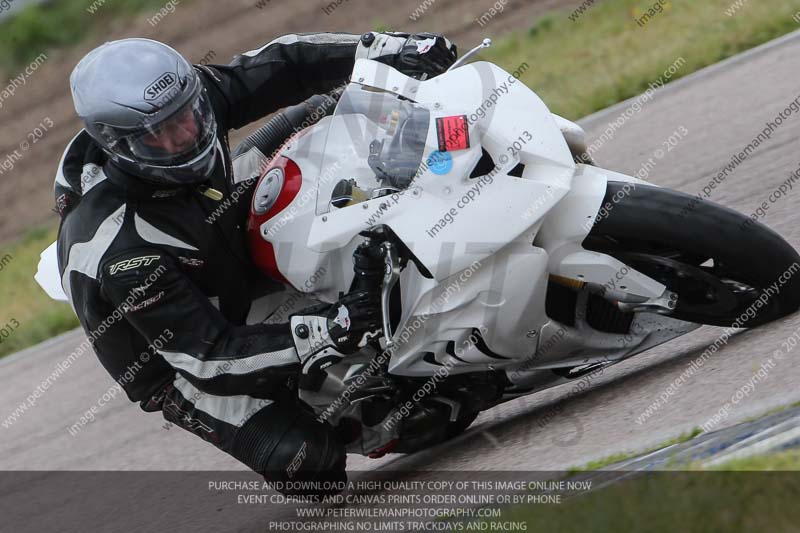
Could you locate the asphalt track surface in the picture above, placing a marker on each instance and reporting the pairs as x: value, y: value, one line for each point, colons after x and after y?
x: 722, y: 108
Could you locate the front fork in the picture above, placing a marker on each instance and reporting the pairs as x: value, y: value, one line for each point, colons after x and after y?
x: 377, y: 265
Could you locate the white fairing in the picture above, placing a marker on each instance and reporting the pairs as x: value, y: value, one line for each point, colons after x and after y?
x: 47, y: 274
x: 486, y: 266
x: 477, y: 232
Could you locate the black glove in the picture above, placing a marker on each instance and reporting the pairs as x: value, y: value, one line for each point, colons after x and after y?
x: 427, y: 54
x: 324, y: 334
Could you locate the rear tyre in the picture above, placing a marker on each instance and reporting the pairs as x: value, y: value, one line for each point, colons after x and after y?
x: 726, y: 269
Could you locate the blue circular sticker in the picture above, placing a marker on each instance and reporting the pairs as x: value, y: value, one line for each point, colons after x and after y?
x: 440, y: 162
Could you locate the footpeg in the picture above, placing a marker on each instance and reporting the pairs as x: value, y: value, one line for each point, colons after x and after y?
x: 662, y: 305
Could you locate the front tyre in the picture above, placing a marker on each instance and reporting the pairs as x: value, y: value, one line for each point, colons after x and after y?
x: 726, y: 269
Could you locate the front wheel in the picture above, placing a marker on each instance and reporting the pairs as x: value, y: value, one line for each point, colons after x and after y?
x: 726, y: 269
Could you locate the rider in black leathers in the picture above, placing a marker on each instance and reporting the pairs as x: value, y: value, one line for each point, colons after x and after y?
x: 160, y: 276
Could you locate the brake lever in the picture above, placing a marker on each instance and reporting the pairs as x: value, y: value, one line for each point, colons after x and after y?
x: 391, y: 274
x: 486, y: 43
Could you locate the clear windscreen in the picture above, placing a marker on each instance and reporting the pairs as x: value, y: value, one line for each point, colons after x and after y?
x: 374, y: 147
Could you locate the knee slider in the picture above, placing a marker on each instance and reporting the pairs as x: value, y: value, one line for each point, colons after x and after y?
x: 293, y: 451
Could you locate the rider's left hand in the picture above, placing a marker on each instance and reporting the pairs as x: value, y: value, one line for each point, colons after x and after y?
x: 418, y: 55
x: 426, y: 53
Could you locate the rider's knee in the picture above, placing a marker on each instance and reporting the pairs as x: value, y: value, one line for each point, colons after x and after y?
x: 295, y: 452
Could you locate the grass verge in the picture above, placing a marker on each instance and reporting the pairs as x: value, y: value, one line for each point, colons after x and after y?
x: 734, y: 502
x: 742, y: 495
x: 577, y: 68
x: 42, y: 27
x: 606, y: 56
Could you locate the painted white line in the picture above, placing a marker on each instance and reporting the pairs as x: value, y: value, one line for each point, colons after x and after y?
x: 764, y: 433
x: 757, y: 448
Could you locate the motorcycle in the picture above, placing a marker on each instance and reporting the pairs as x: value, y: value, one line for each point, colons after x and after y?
x: 507, y: 261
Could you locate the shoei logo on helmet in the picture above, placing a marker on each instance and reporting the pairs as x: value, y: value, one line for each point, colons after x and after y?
x: 155, y: 89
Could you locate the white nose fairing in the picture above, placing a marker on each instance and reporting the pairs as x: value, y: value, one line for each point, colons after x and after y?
x: 446, y: 217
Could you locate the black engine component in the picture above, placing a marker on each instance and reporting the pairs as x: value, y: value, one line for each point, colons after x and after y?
x: 602, y: 315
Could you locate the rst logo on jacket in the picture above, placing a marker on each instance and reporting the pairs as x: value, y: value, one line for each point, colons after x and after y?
x: 136, y: 262
x: 157, y: 88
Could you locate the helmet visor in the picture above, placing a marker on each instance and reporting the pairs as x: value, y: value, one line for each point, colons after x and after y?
x: 169, y: 141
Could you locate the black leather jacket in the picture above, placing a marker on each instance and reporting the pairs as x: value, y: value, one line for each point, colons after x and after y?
x: 142, y: 265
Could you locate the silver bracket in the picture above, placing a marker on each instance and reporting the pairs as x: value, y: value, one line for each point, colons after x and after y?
x: 455, y: 407
x: 663, y: 305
